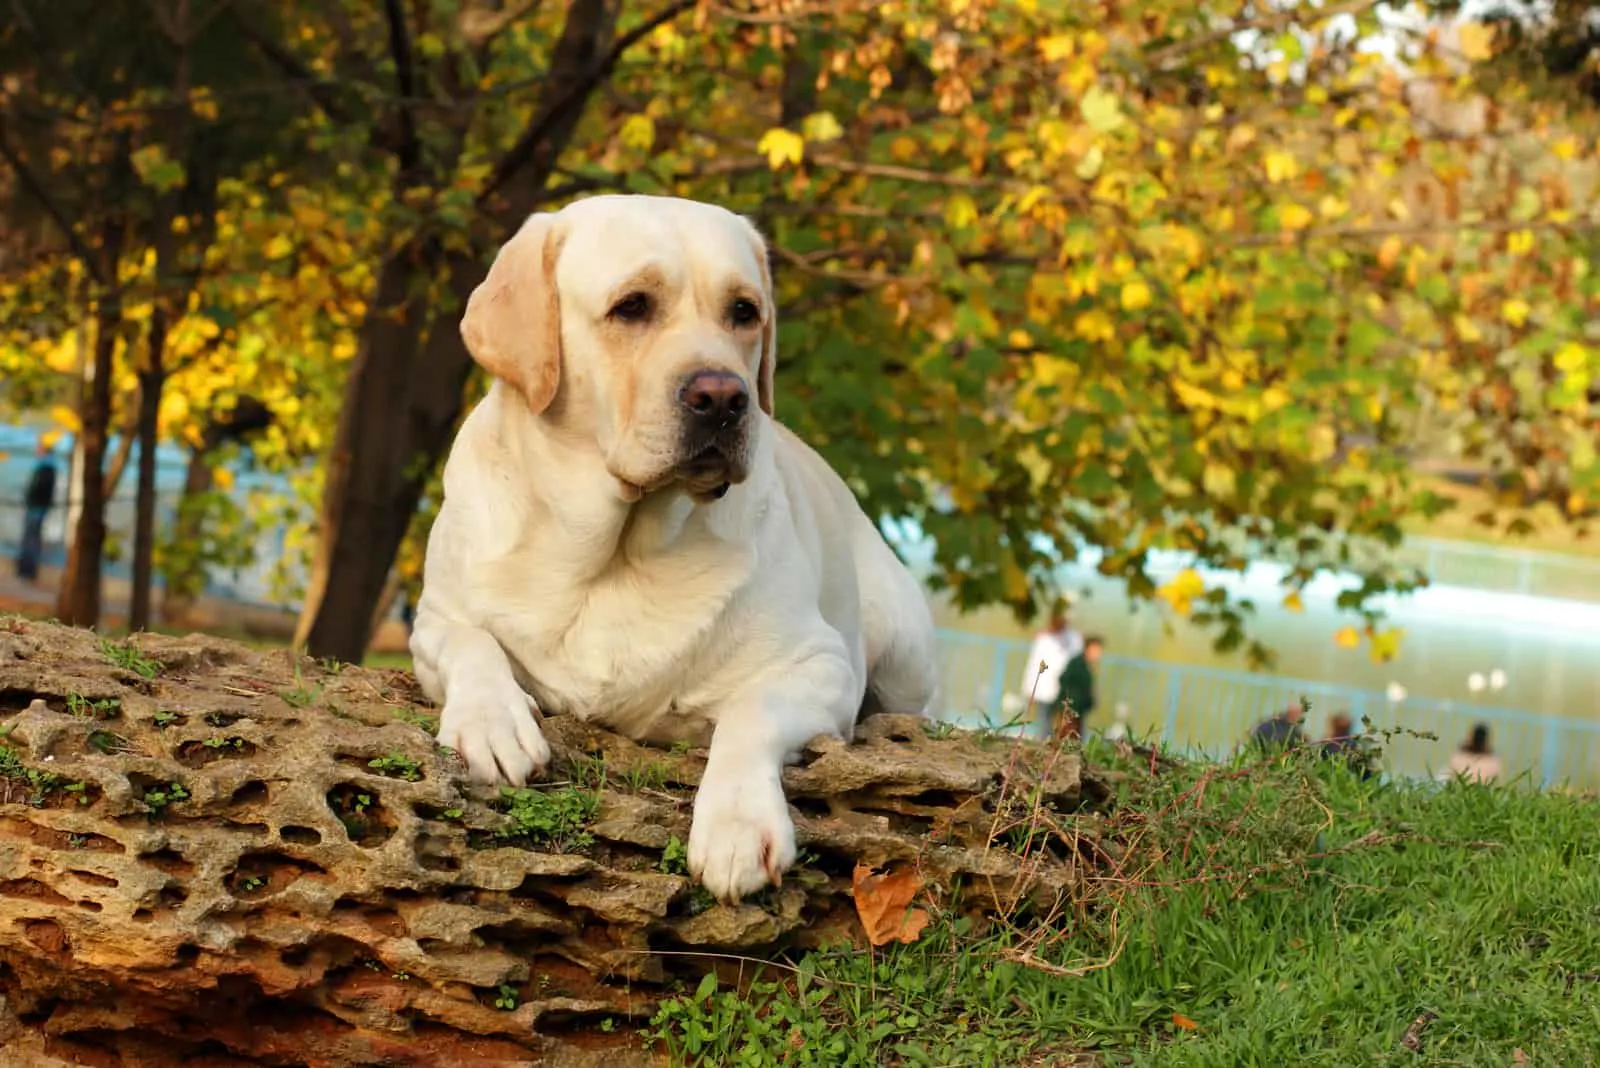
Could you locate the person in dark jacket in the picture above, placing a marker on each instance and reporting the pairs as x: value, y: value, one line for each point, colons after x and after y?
x: 1281, y: 731
x: 1342, y: 744
x: 37, y: 500
x: 1077, y: 685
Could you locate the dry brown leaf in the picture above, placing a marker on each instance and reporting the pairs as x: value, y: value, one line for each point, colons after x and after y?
x: 1181, y: 1021
x: 884, y: 904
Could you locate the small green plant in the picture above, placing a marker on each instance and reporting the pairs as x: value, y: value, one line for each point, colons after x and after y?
x: 127, y: 656
x: 680, y: 748
x: 251, y: 883
x: 589, y: 772
x: 165, y: 719
x: 35, y: 785
x: 332, y: 665
x: 554, y: 818
x: 84, y: 708
x: 223, y: 743
x: 157, y: 800
x: 301, y: 696
x: 608, y: 1025
x: 506, y: 998
x: 397, y: 766
x: 417, y: 719
x: 77, y: 841
x: 452, y: 814
x: 649, y: 775
x: 108, y: 742
x: 675, y: 857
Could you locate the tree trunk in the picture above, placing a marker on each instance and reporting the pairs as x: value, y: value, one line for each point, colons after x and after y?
x: 78, y: 601
x: 316, y: 884
x: 404, y: 395
x: 152, y: 379
x: 176, y: 596
x: 400, y: 408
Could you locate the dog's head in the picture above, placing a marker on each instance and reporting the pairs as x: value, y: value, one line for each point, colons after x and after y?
x: 643, y: 325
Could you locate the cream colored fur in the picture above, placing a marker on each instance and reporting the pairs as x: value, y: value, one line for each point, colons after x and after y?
x: 578, y: 565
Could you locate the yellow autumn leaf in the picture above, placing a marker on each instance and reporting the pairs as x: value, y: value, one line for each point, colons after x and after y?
x: 1185, y: 586
x: 1389, y: 251
x: 1475, y: 41
x: 821, y: 127
x: 781, y: 147
x: 223, y: 478
x: 1101, y: 110
x: 1281, y: 166
x: 960, y: 211
x: 1347, y: 638
x: 1294, y: 216
x: 1094, y: 325
x: 1058, y: 47
x: 1385, y: 645
x: 1571, y: 358
x: 66, y: 418
x: 639, y: 131
x: 1292, y: 601
x: 1515, y: 311
x: 63, y: 357
x: 1135, y: 295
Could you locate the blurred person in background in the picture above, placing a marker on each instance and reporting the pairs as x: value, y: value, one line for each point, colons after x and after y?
x: 1077, y: 698
x: 1475, y: 761
x: 1342, y: 744
x: 1052, y: 649
x: 37, y: 500
x: 1280, y: 732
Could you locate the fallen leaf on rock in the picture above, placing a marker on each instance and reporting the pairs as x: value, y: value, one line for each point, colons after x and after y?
x: 884, y: 904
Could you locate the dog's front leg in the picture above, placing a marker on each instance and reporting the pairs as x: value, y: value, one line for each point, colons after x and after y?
x: 742, y: 837
x: 485, y: 715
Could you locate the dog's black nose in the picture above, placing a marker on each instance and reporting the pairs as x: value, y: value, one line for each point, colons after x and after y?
x: 715, y: 398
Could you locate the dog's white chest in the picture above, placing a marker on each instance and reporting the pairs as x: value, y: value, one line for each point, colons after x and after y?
x: 634, y: 648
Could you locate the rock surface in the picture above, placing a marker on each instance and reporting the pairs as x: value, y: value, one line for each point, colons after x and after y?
x: 214, y: 855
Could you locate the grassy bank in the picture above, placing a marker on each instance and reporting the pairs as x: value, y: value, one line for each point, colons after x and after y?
x: 1284, y: 913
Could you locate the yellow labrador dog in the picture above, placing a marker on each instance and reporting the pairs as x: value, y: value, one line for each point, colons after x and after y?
x: 629, y: 537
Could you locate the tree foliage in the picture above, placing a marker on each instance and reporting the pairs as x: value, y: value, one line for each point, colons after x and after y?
x: 1214, y: 278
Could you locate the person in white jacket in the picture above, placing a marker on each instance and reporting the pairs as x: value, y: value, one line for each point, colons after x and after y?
x: 1041, y: 674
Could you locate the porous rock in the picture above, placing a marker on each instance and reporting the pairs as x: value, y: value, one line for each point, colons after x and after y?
x: 211, y: 854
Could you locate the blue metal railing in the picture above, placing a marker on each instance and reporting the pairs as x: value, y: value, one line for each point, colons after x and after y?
x: 1212, y: 710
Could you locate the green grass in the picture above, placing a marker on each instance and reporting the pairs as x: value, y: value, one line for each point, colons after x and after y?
x: 1267, y: 915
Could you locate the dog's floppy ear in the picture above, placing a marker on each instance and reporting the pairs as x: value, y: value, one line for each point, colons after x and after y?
x: 512, y: 325
x: 768, y: 369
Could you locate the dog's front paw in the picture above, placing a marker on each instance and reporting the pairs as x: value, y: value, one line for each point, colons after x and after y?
x: 496, y: 734
x: 742, y: 837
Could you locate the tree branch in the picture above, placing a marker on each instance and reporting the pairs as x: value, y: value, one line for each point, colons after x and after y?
x: 577, y: 89
x: 409, y: 150
x: 1277, y: 20
x: 37, y: 190
x: 290, y: 65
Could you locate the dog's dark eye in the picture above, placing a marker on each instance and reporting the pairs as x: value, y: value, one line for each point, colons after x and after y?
x: 633, y: 308
x: 744, y: 312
